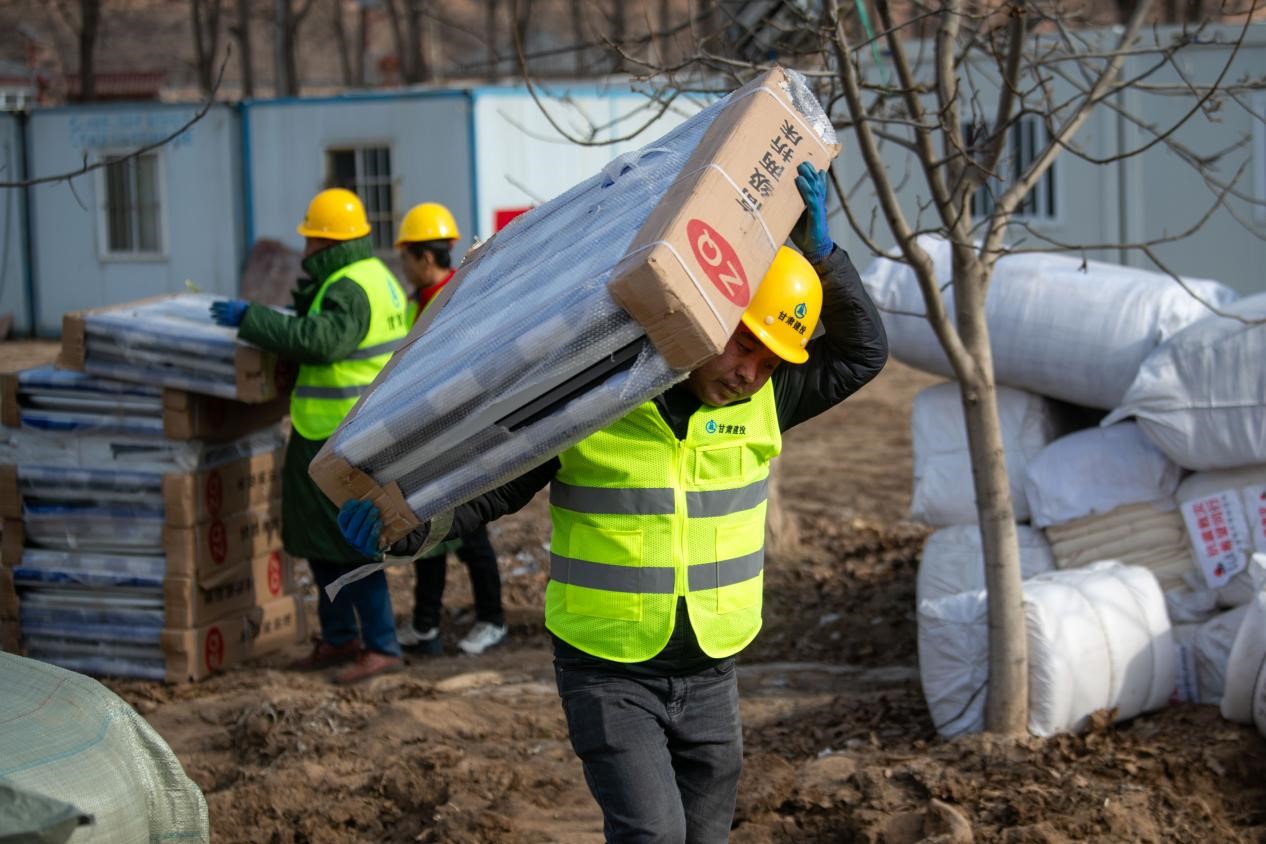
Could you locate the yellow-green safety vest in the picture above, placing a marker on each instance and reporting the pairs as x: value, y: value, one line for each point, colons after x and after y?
x: 641, y: 518
x: 325, y: 393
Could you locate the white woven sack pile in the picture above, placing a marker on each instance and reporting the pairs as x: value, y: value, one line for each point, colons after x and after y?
x: 1058, y: 326
x: 1244, y: 698
x: 1098, y: 638
x: 1236, y: 495
x: 1201, y: 396
x: 943, y: 490
x: 1203, y: 653
x: 953, y: 561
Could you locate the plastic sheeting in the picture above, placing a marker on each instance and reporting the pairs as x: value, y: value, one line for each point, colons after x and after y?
x: 943, y: 490
x: 455, y: 417
x: 172, y: 342
x: 61, y: 400
x: 953, y: 561
x: 69, y: 738
x: 1096, y: 471
x: 1058, y: 326
x: 124, y: 453
x: 1201, y: 396
x: 1098, y: 638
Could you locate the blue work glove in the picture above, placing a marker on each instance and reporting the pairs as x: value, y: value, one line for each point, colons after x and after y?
x: 229, y: 312
x: 361, y: 523
x: 812, y: 234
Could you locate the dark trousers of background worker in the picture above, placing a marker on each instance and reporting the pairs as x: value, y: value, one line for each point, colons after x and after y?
x: 368, y: 599
x: 661, y: 755
x: 485, y: 582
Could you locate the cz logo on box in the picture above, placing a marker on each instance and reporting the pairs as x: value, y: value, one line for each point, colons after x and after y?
x: 719, y: 261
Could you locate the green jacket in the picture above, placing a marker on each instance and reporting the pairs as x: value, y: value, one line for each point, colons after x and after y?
x: 309, y: 527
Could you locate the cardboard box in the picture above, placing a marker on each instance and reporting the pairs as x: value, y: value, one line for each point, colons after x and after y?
x: 248, y: 584
x: 186, y: 416
x: 190, y: 498
x: 693, y: 267
x: 208, y: 552
x: 260, y: 376
x: 196, y: 653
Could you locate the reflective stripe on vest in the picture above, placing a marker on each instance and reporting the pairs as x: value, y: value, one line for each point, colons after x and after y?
x: 641, y: 518
x: 325, y: 393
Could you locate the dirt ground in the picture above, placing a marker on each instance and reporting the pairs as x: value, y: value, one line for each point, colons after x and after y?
x: 838, y: 742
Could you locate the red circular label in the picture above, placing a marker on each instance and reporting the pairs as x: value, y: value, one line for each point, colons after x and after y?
x: 214, y: 492
x: 719, y: 262
x: 274, y: 573
x: 213, y: 649
x: 218, y: 541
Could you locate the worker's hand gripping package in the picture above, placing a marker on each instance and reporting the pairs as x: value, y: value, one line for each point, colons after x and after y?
x: 583, y: 308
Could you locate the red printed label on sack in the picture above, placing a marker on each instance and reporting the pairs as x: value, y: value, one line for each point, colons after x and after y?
x: 274, y: 574
x: 719, y: 262
x: 218, y: 541
x: 214, y: 492
x: 213, y: 649
x: 1255, y: 505
x: 1219, y: 538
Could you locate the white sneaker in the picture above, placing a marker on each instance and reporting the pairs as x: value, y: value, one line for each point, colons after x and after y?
x: 482, y: 637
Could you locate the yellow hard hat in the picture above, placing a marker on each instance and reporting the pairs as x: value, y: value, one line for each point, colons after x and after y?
x: 335, y: 214
x: 786, y: 307
x: 428, y: 221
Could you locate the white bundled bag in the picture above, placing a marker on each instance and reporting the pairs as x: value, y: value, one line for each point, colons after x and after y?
x: 1225, y: 515
x: 1095, y: 471
x: 1058, y: 326
x: 953, y: 560
x: 1201, y: 396
x: 1246, y: 665
x: 1098, y: 639
x: 943, y: 490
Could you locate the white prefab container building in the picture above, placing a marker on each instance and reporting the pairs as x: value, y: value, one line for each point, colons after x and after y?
x: 139, y: 228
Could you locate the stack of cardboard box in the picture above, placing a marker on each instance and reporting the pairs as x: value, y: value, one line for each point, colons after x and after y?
x: 142, y: 526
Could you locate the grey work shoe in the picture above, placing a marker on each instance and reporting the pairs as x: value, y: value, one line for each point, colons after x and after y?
x: 422, y: 643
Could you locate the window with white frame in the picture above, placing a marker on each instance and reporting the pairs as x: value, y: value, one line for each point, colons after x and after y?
x: 1026, y: 138
x: 131, y: 205
x: 366, y: 170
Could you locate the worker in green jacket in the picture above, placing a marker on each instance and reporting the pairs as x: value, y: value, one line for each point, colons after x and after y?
x: 657, y: 548
x: 350, y: 315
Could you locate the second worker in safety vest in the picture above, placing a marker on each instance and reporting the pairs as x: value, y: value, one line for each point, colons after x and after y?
x: 350, y: 315
x: 657, y: 551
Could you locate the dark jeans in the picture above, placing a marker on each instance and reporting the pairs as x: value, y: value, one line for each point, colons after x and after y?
x: 367, y: 598
x: 662, y: 755
x: 485, y: 581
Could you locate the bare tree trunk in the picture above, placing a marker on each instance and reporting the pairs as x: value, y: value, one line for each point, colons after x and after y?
x: 90, y: 19
x: 578, y: 36
x: 243, y: 33
x: 665, y: 22
x: 397, y: 36
x: 524, y: 16
x: 341, y: 46
x: 490, y: 38
x: 359, y: 69
x: 206, y: 40
x: 415, y: 65
x: 1007, y: 706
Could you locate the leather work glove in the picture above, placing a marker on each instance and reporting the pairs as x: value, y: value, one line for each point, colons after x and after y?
x: 361, y: 523
x: 229, y: 312
x: 812, y: 234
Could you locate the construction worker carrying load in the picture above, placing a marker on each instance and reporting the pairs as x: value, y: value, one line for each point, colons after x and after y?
x: 657, y: 552
x: 425, y: 243
x: 351, y: 314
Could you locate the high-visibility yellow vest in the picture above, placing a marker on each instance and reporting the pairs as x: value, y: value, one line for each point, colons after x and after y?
x: 325, y: 393
x: 641, y: 518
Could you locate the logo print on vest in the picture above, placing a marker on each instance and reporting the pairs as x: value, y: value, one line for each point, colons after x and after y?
x: 801, y: 310
x: 711, y: 427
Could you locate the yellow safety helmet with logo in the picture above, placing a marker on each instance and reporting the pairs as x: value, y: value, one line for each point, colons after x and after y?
x: 428, y: 221
x: 335, y: 214
x: 786, y: 307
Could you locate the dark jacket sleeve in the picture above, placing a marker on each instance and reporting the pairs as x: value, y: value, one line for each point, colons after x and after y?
x: 851, y: 351
x: 326, y: 337
x: 508, y: 498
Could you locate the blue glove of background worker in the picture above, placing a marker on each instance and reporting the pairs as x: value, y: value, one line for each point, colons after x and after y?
x: 812, y: 234
x: 361, y: 524
x: 229, y: 312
